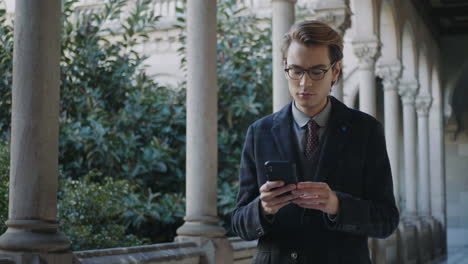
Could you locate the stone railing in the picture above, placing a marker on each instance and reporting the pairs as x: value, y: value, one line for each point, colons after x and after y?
x: 164, y: 253
x: 243, y: 251
x: 173, y: 253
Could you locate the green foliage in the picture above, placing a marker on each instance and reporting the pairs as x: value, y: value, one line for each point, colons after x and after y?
x: 154, y: 215
x: 90, y: 212
x: 4, y: 178
x: 114, y: 117
x: 6, y: 73
x: 244, y: 79
x: 119, y: 121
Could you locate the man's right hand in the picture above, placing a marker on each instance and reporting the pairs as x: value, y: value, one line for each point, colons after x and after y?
x: 269, y: 196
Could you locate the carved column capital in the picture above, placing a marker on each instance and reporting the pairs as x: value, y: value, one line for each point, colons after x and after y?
x: 408, y: 89
x: 367, y: 53
x: 335, y: 13
x: 390, y: 74
x: 423, y: 104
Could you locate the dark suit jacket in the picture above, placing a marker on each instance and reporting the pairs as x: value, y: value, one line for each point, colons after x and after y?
x: 353, y: 161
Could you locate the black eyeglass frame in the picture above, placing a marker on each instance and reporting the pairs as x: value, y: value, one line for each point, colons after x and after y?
x: 324, y: 72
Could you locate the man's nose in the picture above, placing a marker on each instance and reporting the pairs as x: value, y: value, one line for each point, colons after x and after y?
x: 306, y: 80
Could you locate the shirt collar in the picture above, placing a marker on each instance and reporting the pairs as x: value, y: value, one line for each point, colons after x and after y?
x: 321, y: 118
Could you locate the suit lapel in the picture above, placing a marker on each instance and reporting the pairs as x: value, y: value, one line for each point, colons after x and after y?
x: 336, y: 136
x: 282, y: 133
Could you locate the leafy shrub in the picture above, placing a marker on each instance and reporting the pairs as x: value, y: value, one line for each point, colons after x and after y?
x: 154, y: 215
x: 114, y: 117
x: 90, y: 213
x: 6, y: 75
x: 4, y: 179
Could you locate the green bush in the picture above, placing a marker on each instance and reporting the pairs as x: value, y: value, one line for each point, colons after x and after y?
x: 6, y: 75
x: 154, y: 215
x: 91, y: 210
x: 114, y: 117
x: 4, y: 179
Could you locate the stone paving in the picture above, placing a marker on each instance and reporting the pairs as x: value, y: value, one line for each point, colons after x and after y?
x: 458, y: 255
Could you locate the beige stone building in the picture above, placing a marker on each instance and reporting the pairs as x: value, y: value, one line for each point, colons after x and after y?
x: 405, y: 62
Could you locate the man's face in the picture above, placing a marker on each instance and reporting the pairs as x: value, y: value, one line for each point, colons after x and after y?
x: 310, y: 95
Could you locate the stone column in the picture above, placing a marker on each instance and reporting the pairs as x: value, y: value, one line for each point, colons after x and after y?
x: 201, y: 219
x: 282, y: 20
x: 32, y: 223
x: 426, y: 224
x: 367, y: 53
x: 407, y: 91
x: 32, y: 219
x: 390, y: 74
x: 423, y: 102
x: 337, y: 14
x: 437, y: 168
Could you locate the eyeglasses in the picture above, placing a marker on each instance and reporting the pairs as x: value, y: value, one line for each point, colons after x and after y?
x: 316, y: 74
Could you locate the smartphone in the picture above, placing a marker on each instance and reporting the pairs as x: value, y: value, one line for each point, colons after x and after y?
x: 281, y: 171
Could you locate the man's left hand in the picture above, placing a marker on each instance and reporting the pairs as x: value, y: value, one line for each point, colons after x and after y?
x: 316, y: 195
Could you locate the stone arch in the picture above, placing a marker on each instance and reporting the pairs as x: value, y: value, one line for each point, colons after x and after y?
x: 408, y: 52
x: 436, y: 89
x: 424, y: 73
x: 451, y: 84
x: 364, y: 19
x: 388, y: 32
x: 458, y: 92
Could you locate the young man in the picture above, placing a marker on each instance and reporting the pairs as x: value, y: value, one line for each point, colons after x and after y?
x: 345, y: 191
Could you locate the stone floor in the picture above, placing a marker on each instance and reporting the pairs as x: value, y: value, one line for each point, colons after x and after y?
x: 456, y: 255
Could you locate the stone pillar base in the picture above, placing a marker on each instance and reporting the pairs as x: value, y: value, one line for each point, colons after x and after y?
x: 385, y: 250
x: 32, y: 236
x: 408, y: 246
x: 436, y: 235
x: 38, y: 257
x: 425, y: 239
x: 217, y: 249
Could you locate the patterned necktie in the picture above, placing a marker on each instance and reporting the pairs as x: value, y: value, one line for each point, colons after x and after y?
x: 311, y: 140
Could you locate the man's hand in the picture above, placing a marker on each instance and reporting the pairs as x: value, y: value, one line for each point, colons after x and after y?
x: 317, y: 195
x: 270, y: 201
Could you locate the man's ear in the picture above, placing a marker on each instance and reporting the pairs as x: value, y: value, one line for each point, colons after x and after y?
x: 337, y: 70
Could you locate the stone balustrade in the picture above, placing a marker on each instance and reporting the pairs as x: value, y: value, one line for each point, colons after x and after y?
x: 173, y: 253
x: 244, y: 251
x: 164, y: 253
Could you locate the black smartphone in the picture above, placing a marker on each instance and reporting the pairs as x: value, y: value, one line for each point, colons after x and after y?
x: 281, y: 171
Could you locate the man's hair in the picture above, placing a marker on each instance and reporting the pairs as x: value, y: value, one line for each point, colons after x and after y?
x: 311, y: 33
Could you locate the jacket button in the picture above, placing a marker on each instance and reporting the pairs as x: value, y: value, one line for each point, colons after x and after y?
x: 259, y: 231
x: 294, y: 255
